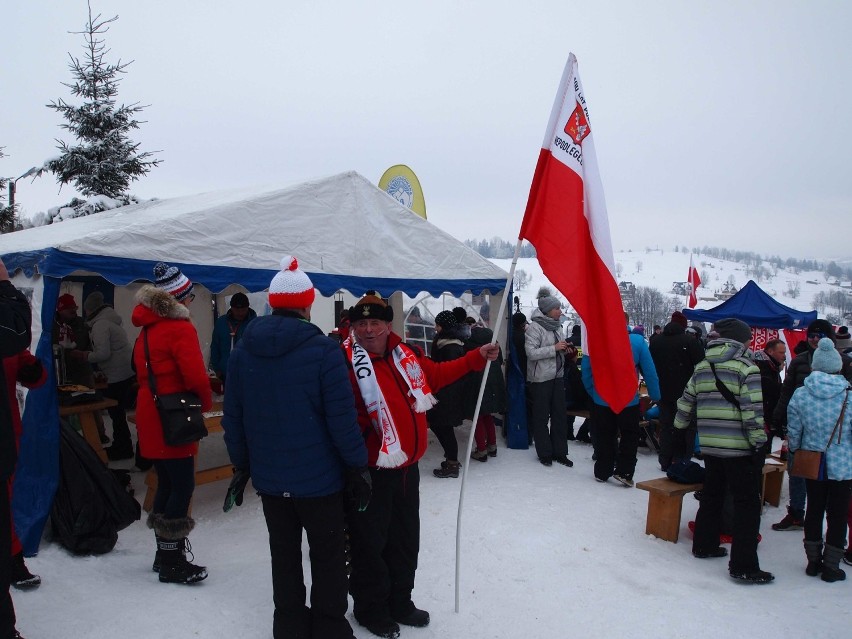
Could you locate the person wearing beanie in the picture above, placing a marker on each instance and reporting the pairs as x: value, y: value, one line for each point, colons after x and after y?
x: 177, y: 365
x: 732, y: 440
x: 447, y: 345
x: 818, y: 411
x: 675, y: 354
x: 15, y: 320
x: 393, y: 385
x: 112, y: 353
x: 291, y: 426
x: 228, y: 329
x: 843, y: 340
x: 546, y: 348
x: 797, y: 372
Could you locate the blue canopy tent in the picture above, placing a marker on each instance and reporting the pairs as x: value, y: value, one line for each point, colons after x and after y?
x: 755, y: 307
x: 346, y: 233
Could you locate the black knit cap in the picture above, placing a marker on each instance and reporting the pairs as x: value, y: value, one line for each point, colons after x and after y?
x: 371, y: 306
x: 446, y: 319
x: 460, y: 314
x: 824, y: 327
x: 239, y: 300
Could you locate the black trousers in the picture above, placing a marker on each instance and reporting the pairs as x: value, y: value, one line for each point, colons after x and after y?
x: 743, y: 478
x: 616, y: 440
x: 7, y: 609
x: 446, y: 434
x: 674, y: 443
x: 385, y: 542
x: 547, y: 402
x: 175, y: 485
x: 322, y: 520
x: 120, y: 392
x: 827, y: 499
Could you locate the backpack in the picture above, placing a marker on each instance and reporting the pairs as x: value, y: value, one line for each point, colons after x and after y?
x: 686, y: 471
x: 91, y: 504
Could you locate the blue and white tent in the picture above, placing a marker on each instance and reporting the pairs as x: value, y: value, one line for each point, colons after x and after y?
x: 347, y: 234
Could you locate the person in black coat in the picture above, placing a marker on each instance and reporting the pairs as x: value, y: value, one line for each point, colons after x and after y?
x: 15, y: 336
x: 449, y: 411
x: 494, y: 398
x: 675, y: 355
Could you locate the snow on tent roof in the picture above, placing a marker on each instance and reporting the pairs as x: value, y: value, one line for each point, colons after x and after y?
x: 345, y: 232
x: 755, y: 307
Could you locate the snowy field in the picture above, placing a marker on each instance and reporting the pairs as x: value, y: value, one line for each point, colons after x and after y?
x: 547, y: 552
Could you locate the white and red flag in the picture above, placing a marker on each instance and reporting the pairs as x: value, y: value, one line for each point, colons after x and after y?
x: 694, y: 283
x: 567, y: 223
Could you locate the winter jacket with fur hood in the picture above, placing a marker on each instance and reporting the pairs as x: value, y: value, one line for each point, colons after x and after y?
x: 724, y: 430
x: 177, y: 364
x: 289, y: 413
x: 812, y: 415
x: 111, y: 349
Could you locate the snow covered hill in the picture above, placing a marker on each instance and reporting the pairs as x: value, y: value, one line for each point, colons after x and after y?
x: 659, y: 269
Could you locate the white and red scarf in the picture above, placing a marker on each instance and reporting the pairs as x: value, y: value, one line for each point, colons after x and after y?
x: 391, y: 454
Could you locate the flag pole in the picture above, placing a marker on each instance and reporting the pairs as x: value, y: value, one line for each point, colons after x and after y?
x: 469, y: 448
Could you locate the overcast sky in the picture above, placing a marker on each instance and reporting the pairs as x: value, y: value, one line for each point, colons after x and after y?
x: 725, y: 124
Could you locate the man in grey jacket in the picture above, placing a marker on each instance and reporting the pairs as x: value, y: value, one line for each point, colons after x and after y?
x: 546, y: 348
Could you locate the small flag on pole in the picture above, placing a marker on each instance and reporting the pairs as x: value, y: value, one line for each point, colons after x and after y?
x: 566, y: 221
x: 694, y: 283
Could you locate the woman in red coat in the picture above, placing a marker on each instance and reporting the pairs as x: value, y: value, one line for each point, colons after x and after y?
x: 177, y: 366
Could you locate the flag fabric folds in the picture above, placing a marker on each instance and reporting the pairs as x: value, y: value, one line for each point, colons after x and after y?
x: 694, y: 283
x: 566, y: 221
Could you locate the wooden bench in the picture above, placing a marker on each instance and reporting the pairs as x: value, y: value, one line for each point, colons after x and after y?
x: 213, y: 422
x: 665, y: 503
x: 665, y: 500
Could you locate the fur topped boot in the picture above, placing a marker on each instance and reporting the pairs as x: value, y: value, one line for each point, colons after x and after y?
x: 831, y: 570
x: 172, y: 548
x: 813, y: 551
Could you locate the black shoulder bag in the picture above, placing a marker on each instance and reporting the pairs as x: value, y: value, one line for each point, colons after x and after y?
x: 180, y: 413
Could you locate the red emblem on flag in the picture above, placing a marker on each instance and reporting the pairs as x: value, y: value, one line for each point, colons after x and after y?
x: 577, y: 126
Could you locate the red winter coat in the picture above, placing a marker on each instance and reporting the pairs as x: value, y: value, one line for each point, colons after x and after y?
x: 411, y: 426
x: 177, y: 364
x: 28, y: 370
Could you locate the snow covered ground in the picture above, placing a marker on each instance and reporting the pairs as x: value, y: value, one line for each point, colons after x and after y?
x: 546, y: 552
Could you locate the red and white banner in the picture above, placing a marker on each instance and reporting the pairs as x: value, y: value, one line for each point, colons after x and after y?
x: 694, y: 283
x: 566, y: 221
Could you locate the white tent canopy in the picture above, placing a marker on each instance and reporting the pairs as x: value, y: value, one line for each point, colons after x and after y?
x: 346, y: 233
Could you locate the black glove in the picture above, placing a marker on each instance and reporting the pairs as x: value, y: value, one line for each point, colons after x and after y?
x: 236, y: 488
x: 358, y: 488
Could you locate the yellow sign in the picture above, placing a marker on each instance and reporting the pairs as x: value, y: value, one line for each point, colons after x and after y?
x: 402, y: 185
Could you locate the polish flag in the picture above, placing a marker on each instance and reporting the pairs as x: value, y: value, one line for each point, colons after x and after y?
x: 566, y: 222
x: 694, y: 282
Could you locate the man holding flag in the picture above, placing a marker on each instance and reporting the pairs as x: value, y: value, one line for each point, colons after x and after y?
x: 566, y: 202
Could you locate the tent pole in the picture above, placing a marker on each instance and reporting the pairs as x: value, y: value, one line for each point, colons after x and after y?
x: 466, y: 458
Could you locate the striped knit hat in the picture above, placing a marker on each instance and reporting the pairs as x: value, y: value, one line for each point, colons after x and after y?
x: 172, y: 281
x: 291, y: 287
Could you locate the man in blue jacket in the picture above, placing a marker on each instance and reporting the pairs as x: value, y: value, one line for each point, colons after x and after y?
x: 617, y: 434
x: 227, y: 331
x: 290, y: 423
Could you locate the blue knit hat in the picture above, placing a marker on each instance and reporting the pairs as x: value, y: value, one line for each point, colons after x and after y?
x: 826, y: 358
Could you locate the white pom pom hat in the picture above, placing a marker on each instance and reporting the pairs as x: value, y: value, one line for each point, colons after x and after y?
x: 291, y: 287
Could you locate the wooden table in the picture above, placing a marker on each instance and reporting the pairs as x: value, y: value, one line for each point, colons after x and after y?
x: 213, y: 422
x: 88, y: 425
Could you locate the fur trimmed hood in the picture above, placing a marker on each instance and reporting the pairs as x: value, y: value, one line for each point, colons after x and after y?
x: 161, y: 303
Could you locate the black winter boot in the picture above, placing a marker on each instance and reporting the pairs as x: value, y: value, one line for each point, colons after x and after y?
x: 813, y: 551
x: 831, y: 570
x: 22, y: 578
x: 172, y: 548
x: 447, y: 469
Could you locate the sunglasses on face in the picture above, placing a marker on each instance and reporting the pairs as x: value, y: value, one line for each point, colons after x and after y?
x: 816, y: 335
